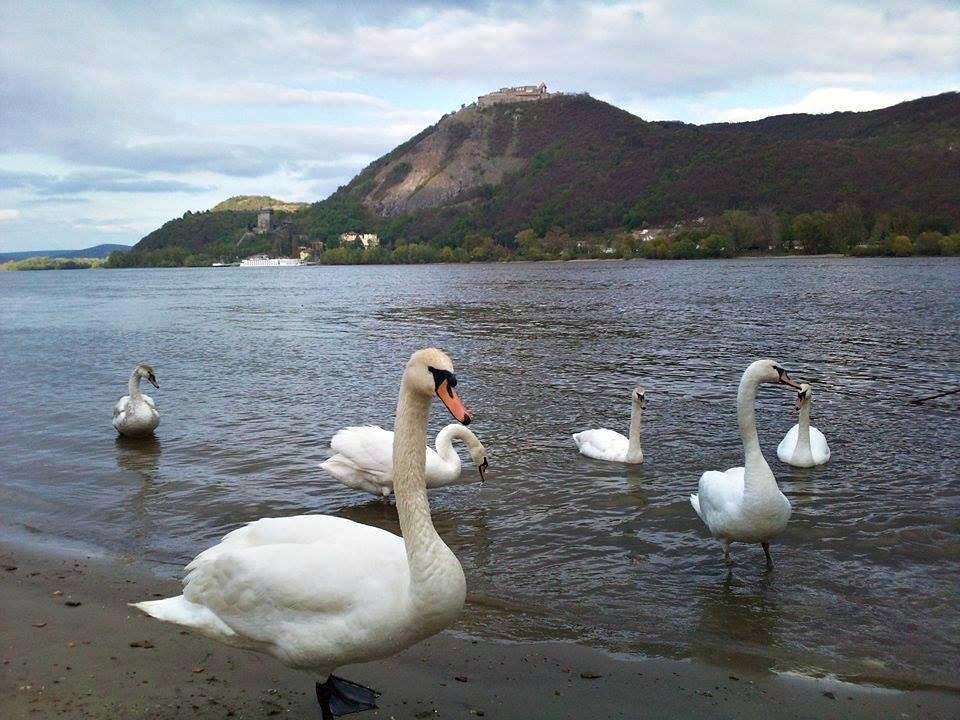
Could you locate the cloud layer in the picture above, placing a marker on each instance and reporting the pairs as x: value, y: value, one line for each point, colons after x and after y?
x: 106, y: 109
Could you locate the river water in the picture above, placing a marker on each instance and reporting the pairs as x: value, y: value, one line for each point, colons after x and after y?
x: 259, y: 367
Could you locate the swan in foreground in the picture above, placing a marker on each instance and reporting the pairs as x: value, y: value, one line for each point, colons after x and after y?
x: 136, y: 414
x: 364, y: 458
x: 744, y: 504
x: 604, y: 444
x: 316, y: 591
x: 804, y: 445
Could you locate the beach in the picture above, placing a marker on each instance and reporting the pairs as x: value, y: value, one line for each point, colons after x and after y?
x: 70, y: 647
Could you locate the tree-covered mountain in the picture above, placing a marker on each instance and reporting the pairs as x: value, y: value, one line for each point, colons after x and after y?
x: 572, y: 172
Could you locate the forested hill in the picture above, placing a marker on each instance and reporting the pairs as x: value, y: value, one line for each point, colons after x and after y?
x: 571, y: 166
x: 581, y: 164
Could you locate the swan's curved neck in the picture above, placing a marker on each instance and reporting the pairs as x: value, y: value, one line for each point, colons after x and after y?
x: 422, y: 542
x: 746, y: 418
x: 444, y: 442
x: 633, y: 448
x: 133, y: 387
x: 803, y: 432
x: 757, y: 475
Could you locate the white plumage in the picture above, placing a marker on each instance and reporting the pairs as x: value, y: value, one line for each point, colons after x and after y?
x: 744, y: 504
x: 136, y: 414
x: 605, y: 444
x: 317, y: 592
x: 364, y: 458
x: 804, y: 445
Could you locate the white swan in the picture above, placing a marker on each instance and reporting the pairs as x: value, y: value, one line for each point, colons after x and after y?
x: 744, y: 504
x: 604, y: 444
x: 317, y: 592
x: 804, y: 445
x: 364, y: 458
x: 136, y: 414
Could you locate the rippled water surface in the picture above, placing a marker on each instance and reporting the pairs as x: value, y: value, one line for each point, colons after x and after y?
x: 259, y: 367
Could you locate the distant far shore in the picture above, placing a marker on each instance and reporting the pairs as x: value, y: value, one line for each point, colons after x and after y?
x: 43, y: 263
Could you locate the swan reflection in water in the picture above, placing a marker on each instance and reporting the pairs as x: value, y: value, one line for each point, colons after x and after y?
x: 736, y: 619
x: 139, y: 455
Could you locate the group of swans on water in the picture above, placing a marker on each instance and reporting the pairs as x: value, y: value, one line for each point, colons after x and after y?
x: 318, y: 592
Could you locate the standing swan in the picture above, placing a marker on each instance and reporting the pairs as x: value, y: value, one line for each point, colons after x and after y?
x: 604, y: 444
x: 136, y: 415
x: 364, y: 458
x: 317, y: 592
x: 744, y: 504
x: 803, y: 445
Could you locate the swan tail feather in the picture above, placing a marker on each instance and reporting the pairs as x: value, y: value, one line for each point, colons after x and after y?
x: 695, y: 501
x: 180, y: 611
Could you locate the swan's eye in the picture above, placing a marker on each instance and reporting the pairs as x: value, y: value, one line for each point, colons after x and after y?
x: 440, y: 375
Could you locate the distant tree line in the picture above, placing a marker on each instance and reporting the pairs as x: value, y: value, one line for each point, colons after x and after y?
x: 458, y: 235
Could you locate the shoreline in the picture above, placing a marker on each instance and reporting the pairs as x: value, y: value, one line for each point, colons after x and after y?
x: 72, y: 648
x: 790, y: 256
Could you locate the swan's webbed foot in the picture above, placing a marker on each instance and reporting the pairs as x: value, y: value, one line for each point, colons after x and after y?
x: 726, y: 552
x: 342, y: 697
x: 766, y: 550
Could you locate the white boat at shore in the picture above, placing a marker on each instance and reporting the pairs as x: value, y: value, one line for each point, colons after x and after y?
x: 267, y: 261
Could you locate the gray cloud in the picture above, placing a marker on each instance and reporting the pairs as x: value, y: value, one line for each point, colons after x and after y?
x: 61, y: 187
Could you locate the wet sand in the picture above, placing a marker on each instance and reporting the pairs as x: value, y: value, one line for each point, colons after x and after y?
x: 70, y: 647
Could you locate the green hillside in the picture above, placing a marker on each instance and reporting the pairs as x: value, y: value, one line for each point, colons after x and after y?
x: 571, y: 175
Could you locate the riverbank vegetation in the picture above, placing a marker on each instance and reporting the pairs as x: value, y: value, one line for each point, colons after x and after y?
x: 48, y: 263
x: 847, y: 230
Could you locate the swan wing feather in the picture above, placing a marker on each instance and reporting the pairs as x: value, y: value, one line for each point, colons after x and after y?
x: 602, y: 444
x: 368, y: 447
x: 819, y: 446
x: 789, y: 443
x: 719, y: 494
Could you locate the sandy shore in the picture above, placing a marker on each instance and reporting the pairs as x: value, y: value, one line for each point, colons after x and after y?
x: 71, y: 648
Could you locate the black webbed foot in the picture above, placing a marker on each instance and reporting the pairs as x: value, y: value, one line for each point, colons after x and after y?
x: 342, y: 697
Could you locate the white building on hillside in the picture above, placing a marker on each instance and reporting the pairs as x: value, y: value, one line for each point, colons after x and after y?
x: 368, y: 240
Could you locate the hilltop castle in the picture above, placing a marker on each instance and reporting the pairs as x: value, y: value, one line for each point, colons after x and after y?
x: 523, y: 93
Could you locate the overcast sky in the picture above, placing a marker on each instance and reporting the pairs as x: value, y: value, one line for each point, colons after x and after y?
x: 117, y: 117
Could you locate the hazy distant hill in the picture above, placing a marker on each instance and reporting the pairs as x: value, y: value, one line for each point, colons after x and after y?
x: 97, y: 251
x: 573, y: 166
x: 257, y: 202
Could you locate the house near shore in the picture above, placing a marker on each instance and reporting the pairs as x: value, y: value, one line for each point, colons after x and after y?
x: 368, y: 240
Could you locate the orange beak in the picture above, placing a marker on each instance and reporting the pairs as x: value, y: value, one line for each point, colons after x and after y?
x: 448, y: 396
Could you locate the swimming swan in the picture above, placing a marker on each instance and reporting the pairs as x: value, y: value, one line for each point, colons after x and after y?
x: 136, y: 415
x: 364, y: 458
x: 804, y: 445
x: 604, y: 444
x: 316, y: 591
x: 744, y: 504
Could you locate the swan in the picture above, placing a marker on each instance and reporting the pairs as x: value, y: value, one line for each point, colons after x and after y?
x: 604, y: 444
x: 136, y: 414
x: 316, y: 591
x: 744, y: 504
x: 364, y: 458
x: 804, y: 445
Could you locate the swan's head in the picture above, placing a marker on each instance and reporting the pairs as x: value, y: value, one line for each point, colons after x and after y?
x: 479, y: 456
x: 803, y: 395
x: 430, y: 372
x: 770, y: 371
x: 146, y: 372
x: 639, y: 397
